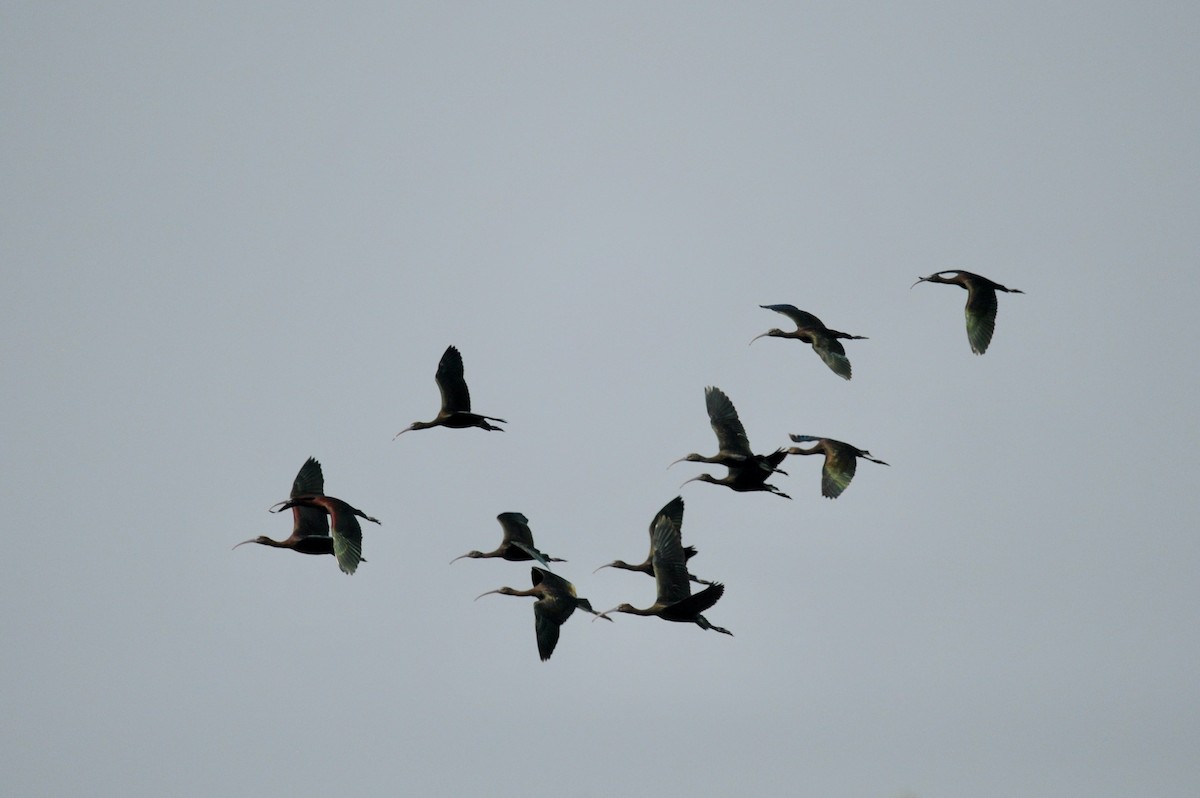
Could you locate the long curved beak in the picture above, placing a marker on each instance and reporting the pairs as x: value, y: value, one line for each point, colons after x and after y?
x: 604, y: 615
x: 401, y: 432
x: 606, y: 565
x: 243, y: 543
x: 755, y: 338
x: 680, y: 460
x: 919, y: 280
x: 490, y: 592
x: 686, y: 481
x: 279, y: 507
x: 456, y: 559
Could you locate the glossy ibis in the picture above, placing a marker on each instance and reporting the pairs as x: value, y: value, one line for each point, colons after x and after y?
x: 456, y: 399
x: 517, y: 544
x: 673, y: 510
x: 841, y: 461
x: 812, y: 330
x: 733, y: 447
x: 347, y: 534
x: 556, y: 601
x: 310, y: 525
x: 981, y: 303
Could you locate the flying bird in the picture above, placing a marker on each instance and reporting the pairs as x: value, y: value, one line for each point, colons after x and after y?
x: 310, y: 526
x: 517, y: 544
x: 456, y: 399
x: 556, y: 601
x: 347, y: 534
x: 841, y: 461
x: 675, y: 601
x: 673, y: 510
x: 812, y: 330
x: 733, y: 447
x: 981, y: 303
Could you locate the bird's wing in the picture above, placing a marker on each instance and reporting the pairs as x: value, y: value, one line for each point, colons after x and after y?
x: 840, y: 464
x: 455, y: 395
x: 731, y: 435
x: 532, y: 552
x: 309, y: 521
x: 833, y: 353
x: 549, y: 614
x: 981, y: 316
x: 803, y: 319
x: 701, y: 601
x: 670, y: 563
x: 516, y: 528
x: 347, y: 538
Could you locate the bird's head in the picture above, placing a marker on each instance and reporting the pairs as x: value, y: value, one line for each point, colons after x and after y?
x: 614, y: 564
x: 413, y: 426
x: 474, y: 555
x: 691, y: 458
x: 504, y: 591
x: 287, y: 504
x: 934, y: 278
x: 702, y: 478
x: 774, y: 332
x: 261, y: 539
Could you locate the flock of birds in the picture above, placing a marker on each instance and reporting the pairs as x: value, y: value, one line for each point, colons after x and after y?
x: 327, y: 525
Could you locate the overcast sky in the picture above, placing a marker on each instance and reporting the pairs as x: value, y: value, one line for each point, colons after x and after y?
x: 237, y: 235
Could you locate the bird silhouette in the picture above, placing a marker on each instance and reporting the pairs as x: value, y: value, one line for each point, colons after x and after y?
x: 841, y: 461
x: 310, y: 525
x: 812, y: 330
x: 981, y: 303
x: 556, y: 601
x: 347, y: 534
x: 675, y: 601
x: 733, y: 447
x: 517, y: 544
x: 456, y: 399
x: 673, y: 510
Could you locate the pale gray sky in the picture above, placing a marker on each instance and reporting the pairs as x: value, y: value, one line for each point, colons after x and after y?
x: 235, y: 237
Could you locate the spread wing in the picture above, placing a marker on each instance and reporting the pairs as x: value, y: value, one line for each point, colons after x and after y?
x: 840, y: 464
x: 455, y: 395
x: 803, y: 319
x: 731, y: 435
x: 833, y: 353
x: 670, y: 562
x: 347, y: 538
x: 516, y: 528
x: 309, y: 521
x: 981, y: 317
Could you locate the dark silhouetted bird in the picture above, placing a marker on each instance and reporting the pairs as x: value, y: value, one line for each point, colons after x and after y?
x: 981, y: 303
x: 456, y: 399
x: 841, y: 461
x: 310, y: 525
x: 673, y: 510
x: 733, y: 447
x: 517, y: 544
x: 347, y: 534
x: 556, y: 601
x: 675, y: 601
x: 811, y: 330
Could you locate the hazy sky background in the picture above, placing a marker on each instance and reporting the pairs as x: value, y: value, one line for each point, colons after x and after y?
x: 237, y: 235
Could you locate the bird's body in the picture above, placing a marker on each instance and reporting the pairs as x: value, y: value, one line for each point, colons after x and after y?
x: 456, y: 399
x: 674, y: 601
x: 747, y: 471
x: 748, y: 479
x: 310, y: 525
x: 517, y: 545
x: 981, y: 303
x: 556, y: 602
x: 841, y: 461
x: 813, y: 331
x: 673, y: 510
x: 347, y: 534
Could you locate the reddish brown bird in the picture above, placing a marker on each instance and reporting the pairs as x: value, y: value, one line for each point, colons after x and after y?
x: 841, y: 461
x: 675, y: 601
x: 517, y: 544
x: 812, y: 330
x: 673, y: 510
x: 981, y: 303
x: 456, y: 399
x: 556, y: 602
x: 347, y: 534
x: 310, y: 523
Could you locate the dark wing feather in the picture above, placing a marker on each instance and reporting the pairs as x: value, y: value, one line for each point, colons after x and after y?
x: 347, y: 536
x: 731, y: 435
x: 981, y: 316
x: 516, y: 528
x: 803, y: 319
x: 546, y: 626
x: 309, y: 521
x: 670, y: 563
x: 455, y: 395
x: 692, y: 606
x: 840, y: 464
x: 833, y: 353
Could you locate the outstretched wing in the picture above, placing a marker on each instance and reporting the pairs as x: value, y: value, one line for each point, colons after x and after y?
x: 670, y: 562
x: 833, y: 353
x: 981, y: 316
x: 694, y: 605
x: 347, y: 537
x: 455, y: 395
x: 803, y: 319
x: 309, y: 521
x: 731, y: 435
x: 547, y: 620
x: 516, y: 528
x: 840, y: 464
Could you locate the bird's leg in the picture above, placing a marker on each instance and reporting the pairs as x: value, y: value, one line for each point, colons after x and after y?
x: 703, y: 623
